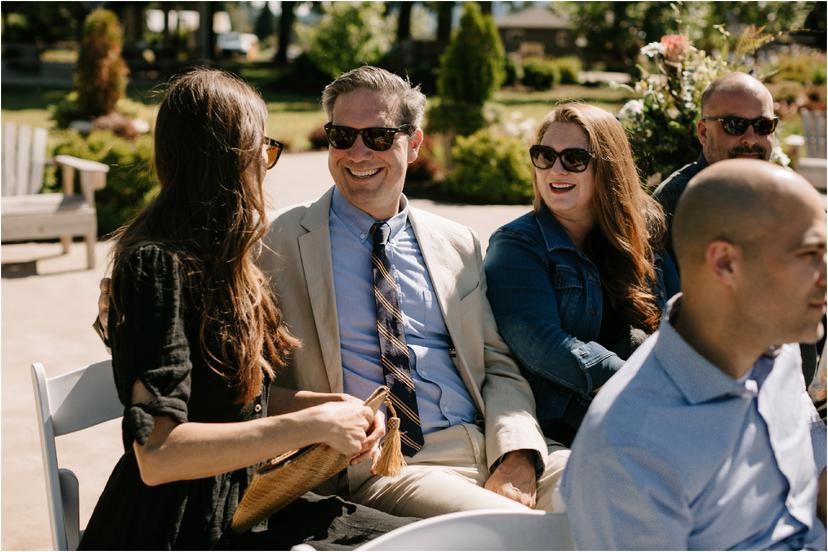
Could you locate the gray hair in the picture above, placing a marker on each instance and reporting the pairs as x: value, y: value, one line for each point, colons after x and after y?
x: 411, y: 102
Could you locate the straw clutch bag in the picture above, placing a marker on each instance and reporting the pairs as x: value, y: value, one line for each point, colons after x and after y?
x: 285, y: 478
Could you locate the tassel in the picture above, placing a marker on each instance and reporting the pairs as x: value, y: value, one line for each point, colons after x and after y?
x: 390, y: 461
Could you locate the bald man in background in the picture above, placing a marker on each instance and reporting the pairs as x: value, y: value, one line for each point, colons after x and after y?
x: 706, y: 438
x: 737, y: 121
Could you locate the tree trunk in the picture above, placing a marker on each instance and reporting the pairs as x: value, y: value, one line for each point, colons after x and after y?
x: 285, y: 31
x: 404, y: 21
x: 444, y: 11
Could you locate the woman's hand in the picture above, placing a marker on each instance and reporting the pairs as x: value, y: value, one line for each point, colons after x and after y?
x: 371, y: 445
x: 343, y: 425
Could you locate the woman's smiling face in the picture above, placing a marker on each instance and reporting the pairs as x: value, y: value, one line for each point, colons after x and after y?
x: 568, y: 195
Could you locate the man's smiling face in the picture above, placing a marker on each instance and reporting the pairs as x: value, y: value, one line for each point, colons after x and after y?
x: 371, y: 180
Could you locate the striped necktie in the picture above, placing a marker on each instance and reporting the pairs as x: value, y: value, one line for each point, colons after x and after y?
x: 393, y: 350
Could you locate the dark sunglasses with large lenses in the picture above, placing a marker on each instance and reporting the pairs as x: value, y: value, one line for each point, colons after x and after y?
x: 274, y: 151
x: 375, y: 138
x: 572, y: 159
x: 737, y: 126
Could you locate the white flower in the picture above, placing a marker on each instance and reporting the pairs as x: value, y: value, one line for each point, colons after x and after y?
x: 673, y: 113
x: 631, y: 109
x: 779, y: 157
x: 652, y: 49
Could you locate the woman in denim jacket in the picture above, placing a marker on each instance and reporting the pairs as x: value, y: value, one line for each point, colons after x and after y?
x: 577, y: 284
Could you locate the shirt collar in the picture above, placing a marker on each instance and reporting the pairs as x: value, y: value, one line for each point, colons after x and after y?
x: 698, y: 379
x: 702, y: 162
x: 359, y: 222
x: 553, y: 231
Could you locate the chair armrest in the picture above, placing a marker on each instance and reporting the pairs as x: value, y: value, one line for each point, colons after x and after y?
x: 92, y: 175
x: 83, y: 165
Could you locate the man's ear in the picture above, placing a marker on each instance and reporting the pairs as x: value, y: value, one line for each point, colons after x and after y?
x: 414, y: 143
x: 722, y: 260
x: 701, y: 131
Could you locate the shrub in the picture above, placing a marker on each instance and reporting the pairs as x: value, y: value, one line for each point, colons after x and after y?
x: 450, y: 117
x: 539, y: 73
x: 660, y: 121
x: 131, y: 181
x: 801, y: 65
x: 318, y: 139
x: 350, y: 34
x: 487, y: 168
x: 471, y: 70
x: 304, y: 77
x: 513, y: 70
x: 426, y: 168
x: 100, y: 77
x: 66, y: 110
x: 568, y: 69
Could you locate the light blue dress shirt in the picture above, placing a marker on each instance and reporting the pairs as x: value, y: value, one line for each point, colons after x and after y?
x: 674, y: 454
x: 442, y: 398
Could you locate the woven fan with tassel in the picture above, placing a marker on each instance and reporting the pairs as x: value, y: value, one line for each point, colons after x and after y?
x: 285, y: 478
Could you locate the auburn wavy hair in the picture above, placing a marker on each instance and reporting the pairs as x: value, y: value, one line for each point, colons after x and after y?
x: 630, y: 224
x: 210, y: 213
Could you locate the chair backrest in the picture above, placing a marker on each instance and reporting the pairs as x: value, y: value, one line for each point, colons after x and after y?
x: 24, y: 159
x: 813, y: 126
x: 481, y: 530
x: 65, y: 404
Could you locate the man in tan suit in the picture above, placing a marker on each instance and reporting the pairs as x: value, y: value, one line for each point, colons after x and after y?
x: 472, y: 440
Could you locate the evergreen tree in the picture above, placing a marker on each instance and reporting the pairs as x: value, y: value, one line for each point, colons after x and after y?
x: 101, y: 74
x: 471, y: 70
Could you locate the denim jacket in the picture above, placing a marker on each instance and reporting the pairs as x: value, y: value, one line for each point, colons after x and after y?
x: 546, y: 297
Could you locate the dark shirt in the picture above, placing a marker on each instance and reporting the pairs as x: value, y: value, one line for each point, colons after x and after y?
x: 156, y: 344
x: 668, y: 193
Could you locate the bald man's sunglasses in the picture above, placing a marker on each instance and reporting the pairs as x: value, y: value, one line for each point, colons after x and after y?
x: 737, y: 126
x: 375, y: 138
x: 274, y: 151
x: 573, y: 159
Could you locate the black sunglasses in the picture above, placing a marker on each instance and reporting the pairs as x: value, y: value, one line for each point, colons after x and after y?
x: 572, y: 159
x: 274, y: 151
x: 737, y: 126
x: 376, y: 138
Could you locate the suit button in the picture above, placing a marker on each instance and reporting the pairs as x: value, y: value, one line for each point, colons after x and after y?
x: 258, y: 408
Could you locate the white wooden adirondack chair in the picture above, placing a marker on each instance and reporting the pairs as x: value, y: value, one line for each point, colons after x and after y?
x: 28, y: 214
x: 813, y: 166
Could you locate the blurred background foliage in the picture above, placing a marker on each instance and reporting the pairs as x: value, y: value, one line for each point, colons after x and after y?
x: 291, y: 49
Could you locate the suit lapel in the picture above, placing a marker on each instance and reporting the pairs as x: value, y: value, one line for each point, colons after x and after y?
x: 444, y: 266
x: 315, y: 251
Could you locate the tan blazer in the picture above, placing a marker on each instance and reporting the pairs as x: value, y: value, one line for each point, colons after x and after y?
x: 297, y: 257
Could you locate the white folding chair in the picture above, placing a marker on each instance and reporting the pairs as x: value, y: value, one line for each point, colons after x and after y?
x: 481, y: 530
x: 65, y: 404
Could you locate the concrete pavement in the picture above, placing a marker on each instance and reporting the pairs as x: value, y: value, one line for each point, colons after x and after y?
x: 48, y: 305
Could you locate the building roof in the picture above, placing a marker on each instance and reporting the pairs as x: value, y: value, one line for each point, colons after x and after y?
x: 532, y: 18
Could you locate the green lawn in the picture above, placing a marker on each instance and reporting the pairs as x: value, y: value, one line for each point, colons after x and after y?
x: 293, y: 116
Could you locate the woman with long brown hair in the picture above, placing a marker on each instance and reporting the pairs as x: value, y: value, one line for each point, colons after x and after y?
x: 578, y: 283
x: 197, y: 338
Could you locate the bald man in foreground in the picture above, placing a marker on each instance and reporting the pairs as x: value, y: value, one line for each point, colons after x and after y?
x: 706, y: 438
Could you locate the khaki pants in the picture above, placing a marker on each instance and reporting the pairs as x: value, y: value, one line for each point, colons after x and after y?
x: 447, y: 475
